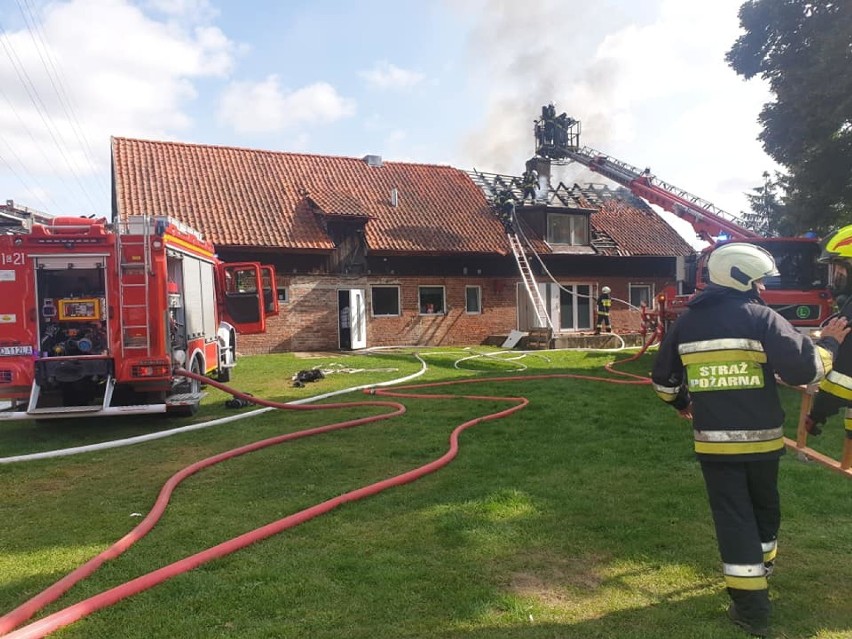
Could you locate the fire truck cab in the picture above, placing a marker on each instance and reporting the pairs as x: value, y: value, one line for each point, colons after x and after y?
x: 96, y: 319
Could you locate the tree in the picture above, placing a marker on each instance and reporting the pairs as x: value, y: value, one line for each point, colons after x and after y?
x: 803, y: 48
x: 768, y: 215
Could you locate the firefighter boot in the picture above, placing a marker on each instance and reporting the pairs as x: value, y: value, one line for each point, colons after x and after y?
x: 755, y: 629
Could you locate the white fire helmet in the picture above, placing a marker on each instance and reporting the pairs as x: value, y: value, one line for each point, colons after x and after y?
x: 606, y: 290
x: 738, y: 265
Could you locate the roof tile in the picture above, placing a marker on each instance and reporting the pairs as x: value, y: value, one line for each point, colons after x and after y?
x: 242, y: 197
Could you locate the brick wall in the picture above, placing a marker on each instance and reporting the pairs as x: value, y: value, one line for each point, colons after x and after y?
x: 623, y: 318
x: 309, y: 319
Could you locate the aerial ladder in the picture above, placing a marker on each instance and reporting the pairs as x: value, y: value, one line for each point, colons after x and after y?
x: 559, y: 141
x: 802, y: 294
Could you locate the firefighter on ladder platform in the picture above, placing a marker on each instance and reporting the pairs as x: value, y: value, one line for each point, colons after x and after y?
x: 604, y: 306
x: 835, y: 391
x: 717, y: 367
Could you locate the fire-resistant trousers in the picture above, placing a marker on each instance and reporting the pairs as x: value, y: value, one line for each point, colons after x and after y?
x: 746, y: 512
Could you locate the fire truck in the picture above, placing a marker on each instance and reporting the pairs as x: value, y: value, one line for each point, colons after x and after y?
x: 801, y: 293
x: 96, y: 318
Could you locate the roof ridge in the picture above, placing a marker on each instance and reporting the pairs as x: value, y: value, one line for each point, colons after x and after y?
x: 273, y: 152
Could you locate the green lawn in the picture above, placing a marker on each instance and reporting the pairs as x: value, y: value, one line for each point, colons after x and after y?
x: 583, y: 515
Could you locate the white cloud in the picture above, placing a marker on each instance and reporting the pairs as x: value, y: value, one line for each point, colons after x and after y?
x: 258, y: 107
x: 124, y: 74
x: 197, y: 10
x: 385, y: 75
x: 99, y: 68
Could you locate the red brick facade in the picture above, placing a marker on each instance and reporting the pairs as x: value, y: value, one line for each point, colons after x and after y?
x: 309, y: 319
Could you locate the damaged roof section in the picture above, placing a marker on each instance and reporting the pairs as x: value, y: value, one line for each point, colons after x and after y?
x: 629, y: 224
x: 621, y: 223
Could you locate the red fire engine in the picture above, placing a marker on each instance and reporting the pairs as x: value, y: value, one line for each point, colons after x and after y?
x: 800, y: 293
x: 94, y: 319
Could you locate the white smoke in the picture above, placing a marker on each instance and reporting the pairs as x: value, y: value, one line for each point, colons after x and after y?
x: 647, y: 80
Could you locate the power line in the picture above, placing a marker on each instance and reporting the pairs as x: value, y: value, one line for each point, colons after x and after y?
x: 37, y: 102
x: 26, y: 186
x: 65, y: 100
x: 47, y: 158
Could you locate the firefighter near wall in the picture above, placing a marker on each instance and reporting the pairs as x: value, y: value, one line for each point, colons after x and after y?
x: 95, y: 318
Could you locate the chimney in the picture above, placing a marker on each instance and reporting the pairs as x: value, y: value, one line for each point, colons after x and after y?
x: 394, y: 197
x: 373, y: 160
x: 542, y: 165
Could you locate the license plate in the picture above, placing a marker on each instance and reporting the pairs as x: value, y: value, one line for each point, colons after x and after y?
x: 6, y: 351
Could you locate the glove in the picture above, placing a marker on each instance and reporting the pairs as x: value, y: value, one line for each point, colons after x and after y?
x: 812, y: 426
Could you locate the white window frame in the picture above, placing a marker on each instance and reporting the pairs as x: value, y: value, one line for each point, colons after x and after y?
x: 443, y: 310
x: 554, y: 293
x: 398, y: 301
x: 640, y: 285
x: 575, y: 220
x: 478, y: 310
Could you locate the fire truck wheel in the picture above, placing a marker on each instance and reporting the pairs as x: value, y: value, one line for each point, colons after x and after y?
x: 224, y: 375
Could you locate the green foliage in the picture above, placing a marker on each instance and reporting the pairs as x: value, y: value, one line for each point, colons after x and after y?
x: 768, y: 215
x: 802, y: 48
x: 583, y: 515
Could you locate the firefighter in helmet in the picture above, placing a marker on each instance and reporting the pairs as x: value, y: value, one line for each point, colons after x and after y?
x: 603, y: 308
x: 717, y: 367
x: 835, y: 391
x: 504, y: 202
x: 529, y: 182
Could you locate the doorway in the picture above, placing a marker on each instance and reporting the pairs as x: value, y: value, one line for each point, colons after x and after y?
x: 352, y: 319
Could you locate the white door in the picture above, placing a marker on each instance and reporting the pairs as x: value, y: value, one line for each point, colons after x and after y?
x: 357, y: 318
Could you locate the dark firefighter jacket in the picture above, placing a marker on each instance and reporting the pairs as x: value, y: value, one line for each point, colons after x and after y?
x: 835, y: 391
x: 722, y: 355
x: 604, y: 304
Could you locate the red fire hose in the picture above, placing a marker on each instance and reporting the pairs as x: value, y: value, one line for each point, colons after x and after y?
x: 76, y: 611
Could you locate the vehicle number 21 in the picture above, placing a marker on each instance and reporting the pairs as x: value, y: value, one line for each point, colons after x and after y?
x: 12, y: 259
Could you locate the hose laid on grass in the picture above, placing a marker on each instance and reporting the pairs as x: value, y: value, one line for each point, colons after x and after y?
x: 109, y: 597
x: 130, y: 441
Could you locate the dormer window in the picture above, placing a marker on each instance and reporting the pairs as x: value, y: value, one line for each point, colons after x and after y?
x: 568, y: 228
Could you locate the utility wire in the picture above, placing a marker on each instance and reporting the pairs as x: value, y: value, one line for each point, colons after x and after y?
x: 36, y: 100
x: 36, y: 145
x: 30, y: 190
x: 56, y: 80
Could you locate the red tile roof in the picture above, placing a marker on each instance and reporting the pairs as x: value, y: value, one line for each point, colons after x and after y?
x: 638, y: 231
x: 337, y: 203
x: 631, y: 223
x: 243, y: 197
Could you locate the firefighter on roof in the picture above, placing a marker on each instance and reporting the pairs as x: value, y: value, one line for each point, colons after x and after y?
x: 717, y: 366
x: 835, y: 391
x: 604, y: 306
x: 529, y: 183
x: 504, y: 202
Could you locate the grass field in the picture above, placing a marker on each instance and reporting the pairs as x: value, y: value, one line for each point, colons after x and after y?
x: 582, y: 515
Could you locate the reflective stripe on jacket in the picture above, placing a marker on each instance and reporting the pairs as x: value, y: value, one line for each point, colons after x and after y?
x: 722, y: 356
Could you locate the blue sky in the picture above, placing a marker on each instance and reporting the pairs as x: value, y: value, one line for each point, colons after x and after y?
x: 450, y: 82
